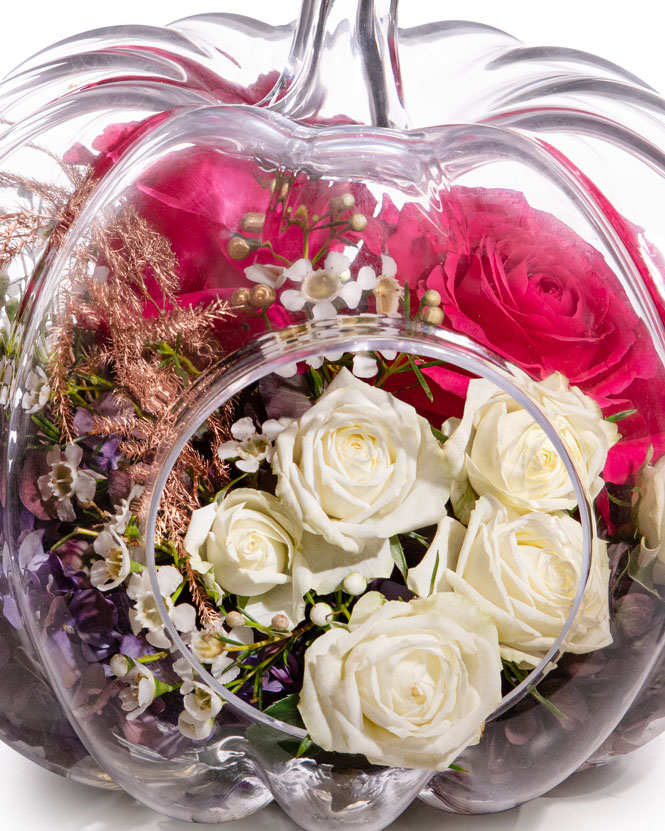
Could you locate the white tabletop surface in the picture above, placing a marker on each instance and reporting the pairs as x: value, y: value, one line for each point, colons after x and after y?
x: 623, y: 795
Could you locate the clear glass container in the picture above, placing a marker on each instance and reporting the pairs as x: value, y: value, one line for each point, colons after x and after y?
x: 203, y: 226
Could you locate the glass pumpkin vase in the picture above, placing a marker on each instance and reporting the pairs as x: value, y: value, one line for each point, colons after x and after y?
x: 332, y: 415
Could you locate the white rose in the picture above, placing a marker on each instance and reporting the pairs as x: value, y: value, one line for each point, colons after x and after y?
x: 504, y: 452
x: 407, y: 685
x: 524, y: 572
x: 360, y: 465
x: 651, y: 519
x: 250, y: 539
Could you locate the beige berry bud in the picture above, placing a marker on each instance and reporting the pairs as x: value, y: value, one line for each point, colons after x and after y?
x: 235, y: 620
x: 239, y: 248
x: 433, y: 315
x: 320, y: 613
x: 280, y: 623
x: 358, y: 222
x: 262, y: 296
x: 253, y: 222
x: 343, y: 202
x: 432, y: 298
x: 240, y: 298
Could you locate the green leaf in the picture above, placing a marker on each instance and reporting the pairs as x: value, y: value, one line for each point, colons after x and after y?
x: 406, y: 302
x: 398, y: 555
x: 418, y: 538
x: 286, y: 709
x: 161, y: 688
x: 642, y: 572
x: 434, y: 574
x: 645, y: 464
x: 458, y: 768
x: 304, y: 746
x: 438, y: 435
x: 620, y: 502
x: 619, y: 416
x: 317, y: 382
x: 514, y: 675
x: 421, y: 378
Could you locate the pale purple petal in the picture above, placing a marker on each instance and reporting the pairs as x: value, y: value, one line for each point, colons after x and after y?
x: 84, y: 486
x: 65, y: 510
x: 73, y: 454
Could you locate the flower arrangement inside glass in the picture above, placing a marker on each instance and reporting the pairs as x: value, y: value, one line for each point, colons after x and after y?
x: 310, y: 459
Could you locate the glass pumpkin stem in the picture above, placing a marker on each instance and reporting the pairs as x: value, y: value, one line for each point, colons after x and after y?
x: 343, y: 66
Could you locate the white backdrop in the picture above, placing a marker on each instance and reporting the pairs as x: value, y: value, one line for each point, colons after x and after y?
x: 625, y: 794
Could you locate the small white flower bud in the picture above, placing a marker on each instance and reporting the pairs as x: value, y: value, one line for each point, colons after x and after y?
x: 319, y: 614
x: 280, y: 623
x: 120, y: 665
x: 358, y: 222
x: 235, y: 619
x: 354, y: 583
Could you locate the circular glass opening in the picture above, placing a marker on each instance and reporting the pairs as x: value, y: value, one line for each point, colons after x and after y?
x: 279, y: 551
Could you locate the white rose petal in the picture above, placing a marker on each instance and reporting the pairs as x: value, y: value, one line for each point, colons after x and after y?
x: 651, y: 518
x: 524, y: 571
x: 429, y: 576
x: 504, y: 452
x: 360, y: 465
x: 251, y: 540
x: 409, y: 685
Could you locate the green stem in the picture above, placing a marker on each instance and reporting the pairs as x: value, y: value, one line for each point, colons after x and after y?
x: 84, y: 532
x: 146, y: 659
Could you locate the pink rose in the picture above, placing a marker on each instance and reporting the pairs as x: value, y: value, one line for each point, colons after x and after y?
x: 524, y: 284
